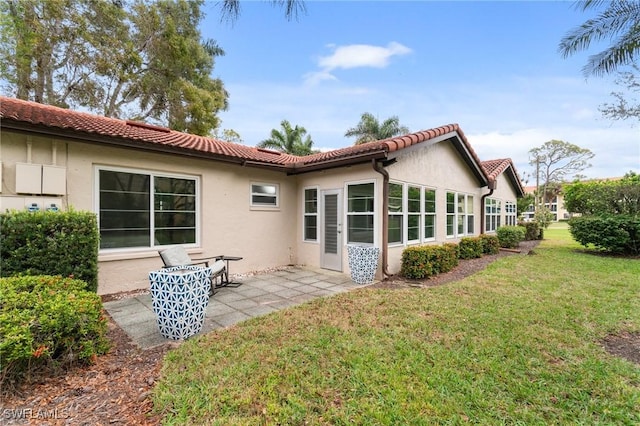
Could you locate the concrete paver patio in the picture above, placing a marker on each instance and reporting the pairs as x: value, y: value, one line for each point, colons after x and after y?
x: 257, y: 295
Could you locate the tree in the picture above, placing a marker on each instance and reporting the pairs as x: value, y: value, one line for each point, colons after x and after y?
x: 290, y: 140
x: 228, y: 135
x: 370, y: 129
x: 620, y: 196
x: 623, y: 109
x: 230, y: 9
x: 140, y: 60
x: 620, y: 22
x: 554, y: 161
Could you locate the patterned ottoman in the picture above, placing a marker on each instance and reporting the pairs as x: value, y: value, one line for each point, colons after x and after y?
x: 180, y: 296
x: 363, y: 263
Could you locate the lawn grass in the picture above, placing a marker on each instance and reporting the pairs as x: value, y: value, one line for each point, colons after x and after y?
x: 518, y: 343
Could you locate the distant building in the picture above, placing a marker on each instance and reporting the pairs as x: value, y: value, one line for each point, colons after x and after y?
x: 556, y: 204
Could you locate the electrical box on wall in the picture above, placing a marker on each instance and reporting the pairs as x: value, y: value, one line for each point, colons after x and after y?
x: 11, y: 203
x: 40, y: 179
x: 28, y: 178
x: 54, y: 180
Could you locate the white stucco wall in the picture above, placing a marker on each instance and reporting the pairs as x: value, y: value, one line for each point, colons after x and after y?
x: 309, y: 253
x: 228, y: 225
x: 440, y: 167
x: 504, y: 192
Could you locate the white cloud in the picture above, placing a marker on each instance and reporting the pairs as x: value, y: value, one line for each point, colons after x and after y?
x: 313, y: 78
x: 355, y: 56
x: 362, y: 55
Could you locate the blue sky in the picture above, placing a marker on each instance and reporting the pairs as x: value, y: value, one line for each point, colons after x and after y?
x: 491, y: 67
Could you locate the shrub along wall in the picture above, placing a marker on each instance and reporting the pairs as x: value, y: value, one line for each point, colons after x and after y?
x: 50, y: 243
x: 48, y: 321
x: 510, y: 236
x: 425, y: 261
x: 490, y: 244
x: 470, y: 247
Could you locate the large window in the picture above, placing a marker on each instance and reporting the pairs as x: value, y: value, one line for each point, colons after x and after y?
x: 429, y: 214
x: 414, y: 214
x: 460, y: 216
x: 492, y: 214
x: 396, y: 203
x: 138, y: 209
x: 360, y: 213
x: 264, y: 195
x: 511, y: 213
x: 311, y: 214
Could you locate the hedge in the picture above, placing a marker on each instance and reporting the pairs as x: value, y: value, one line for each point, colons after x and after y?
x: 48, y: 321
x: 510, y: 236
x: 490, y: 244
x: 533, y: 230
x: 425, y: 261
x: 50, y: 243
x: 470, y: 248
x: 618, y: 234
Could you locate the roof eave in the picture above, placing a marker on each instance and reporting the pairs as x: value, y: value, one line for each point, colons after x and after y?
x: 296, y: 169
x: 93, y: 138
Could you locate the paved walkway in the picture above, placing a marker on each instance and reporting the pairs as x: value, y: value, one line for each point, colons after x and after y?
x: 258, y: 295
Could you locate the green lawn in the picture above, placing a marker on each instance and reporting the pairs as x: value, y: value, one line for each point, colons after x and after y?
x: 518, y: 343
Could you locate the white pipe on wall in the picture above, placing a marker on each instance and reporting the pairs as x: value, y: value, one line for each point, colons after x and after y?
x: 29, y: 143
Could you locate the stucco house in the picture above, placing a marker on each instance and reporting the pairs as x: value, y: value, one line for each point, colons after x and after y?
x: 152, y: 187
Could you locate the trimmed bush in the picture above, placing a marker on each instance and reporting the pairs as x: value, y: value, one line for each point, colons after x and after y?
x: 470, y: 248
x: 48, y: 321
x: 490, y: 244
x: 533, y: 230
x: 425, y: 261
x: 447, y: 257
x: 510, y: 236
x: 618, y: 234
x: 415, y: 262
x: 50, y: 243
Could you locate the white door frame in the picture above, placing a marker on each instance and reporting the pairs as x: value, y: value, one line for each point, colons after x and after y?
x: 331, y: 230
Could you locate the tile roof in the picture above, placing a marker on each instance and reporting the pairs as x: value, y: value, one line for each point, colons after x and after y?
x: 47, y: 119
x: 494, y: 168
x: 135, y: 134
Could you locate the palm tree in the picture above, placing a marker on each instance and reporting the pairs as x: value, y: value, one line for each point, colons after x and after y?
x: 292, y: 8
x: 370, y: 129
x: 619, y: 21
x: 289, y: 140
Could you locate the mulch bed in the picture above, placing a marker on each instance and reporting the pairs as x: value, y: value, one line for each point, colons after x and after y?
x: 116, y: 389
x: 464, y: 269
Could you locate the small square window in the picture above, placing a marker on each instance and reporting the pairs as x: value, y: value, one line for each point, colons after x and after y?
x: 264, y: 195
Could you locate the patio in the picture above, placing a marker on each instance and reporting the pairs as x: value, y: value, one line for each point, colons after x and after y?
x: 258, y: 295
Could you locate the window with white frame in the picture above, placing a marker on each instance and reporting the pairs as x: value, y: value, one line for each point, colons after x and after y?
x: 144, y: 209
x: 360, y: 213
x: 396, y: 208
x: 470, y: 217
x: 264, y: 194
x: 429, y: 214
x: 492, y: 212
x: 460, y: 215
x: 311, y: 214
x: 414, y: 213
x: 511, y: 213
